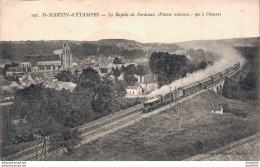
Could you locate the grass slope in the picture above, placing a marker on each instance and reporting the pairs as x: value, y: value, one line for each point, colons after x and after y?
x: 172, y: 136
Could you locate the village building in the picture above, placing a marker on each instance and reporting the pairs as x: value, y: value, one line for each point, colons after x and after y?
x: 147, y: 82
x: 26, y: 81
x: 59, y: 60
x: 134, y: 90
x: 14, y: 71
x: 60, y: 85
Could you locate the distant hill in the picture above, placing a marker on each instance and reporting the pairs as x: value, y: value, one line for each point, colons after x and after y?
x: 16, y: 50
x: 253, y: 41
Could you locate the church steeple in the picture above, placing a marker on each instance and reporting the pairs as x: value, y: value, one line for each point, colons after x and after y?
x: 66, y: 56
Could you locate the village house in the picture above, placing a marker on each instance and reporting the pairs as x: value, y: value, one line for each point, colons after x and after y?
x: 26, y: 81
x: 147, y: 82
x: 134, y: 90
x: 14, y: 71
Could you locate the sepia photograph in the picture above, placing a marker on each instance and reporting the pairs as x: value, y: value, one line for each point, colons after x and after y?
x: 129, y: 80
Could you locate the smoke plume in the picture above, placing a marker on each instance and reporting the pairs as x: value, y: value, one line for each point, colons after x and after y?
x: 228, y: 57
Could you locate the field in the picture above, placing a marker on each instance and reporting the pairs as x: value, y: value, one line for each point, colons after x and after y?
x: 173, y: 136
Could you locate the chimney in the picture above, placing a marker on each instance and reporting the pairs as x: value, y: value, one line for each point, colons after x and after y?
x: 138, y: 78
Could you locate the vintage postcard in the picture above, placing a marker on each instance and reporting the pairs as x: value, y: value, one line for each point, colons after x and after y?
x: 129, y: 80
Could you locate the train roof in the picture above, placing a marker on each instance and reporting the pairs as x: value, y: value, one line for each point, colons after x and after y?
x: 205, y: 79
x: 190, y: 85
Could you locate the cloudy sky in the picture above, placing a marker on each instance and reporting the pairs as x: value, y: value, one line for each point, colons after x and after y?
x: 239, y: 18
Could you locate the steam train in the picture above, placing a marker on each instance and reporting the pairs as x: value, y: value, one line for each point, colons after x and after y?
x: 206, y: 83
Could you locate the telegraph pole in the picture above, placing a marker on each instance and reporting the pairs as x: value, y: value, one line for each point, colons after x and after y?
x: 176, y: 105
x: 171, y: 96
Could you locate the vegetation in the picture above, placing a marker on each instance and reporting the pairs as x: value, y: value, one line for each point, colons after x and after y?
x: 170, y: 67
x: 66, y: 76
x: 133, y: 54
x: 172, y: 136
x: 245, y: 84
x: 117, y: 61
x: 7, y: 66
x: 94, y: 97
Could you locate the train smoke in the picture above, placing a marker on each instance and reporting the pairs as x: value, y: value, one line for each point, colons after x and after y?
x: 228, y: 57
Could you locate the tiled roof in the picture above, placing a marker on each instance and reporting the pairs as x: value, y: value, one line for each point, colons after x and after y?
x: 12, y: 69
x: 149, y: 79
x: 44, y: 57
x: 132, y: 87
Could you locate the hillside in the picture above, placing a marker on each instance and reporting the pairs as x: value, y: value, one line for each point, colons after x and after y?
x: 16, y: 50
x: 254, y: 41
x: 172, y: 136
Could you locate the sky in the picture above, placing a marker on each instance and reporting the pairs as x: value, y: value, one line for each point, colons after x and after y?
x: 239, y: 18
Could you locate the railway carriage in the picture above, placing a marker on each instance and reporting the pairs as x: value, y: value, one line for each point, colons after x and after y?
x: 192, y: 88
x: 158, y: 101
x: 236, y: 67
x: 217, y: 77
x: 224, y: 74
x: 205, y: 83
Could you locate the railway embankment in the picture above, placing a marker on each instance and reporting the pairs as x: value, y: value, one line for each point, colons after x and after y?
x: 176, y: 135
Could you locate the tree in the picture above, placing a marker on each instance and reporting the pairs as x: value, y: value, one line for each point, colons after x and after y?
x: 141, y: 70
x: 105, y: 99
x: 129, y: 72
x: 89, y: 79
x: 71, y: 138
x: 65, y: 75
x: 68, y: 139
x: 120, y: 89
x: 116, y: 72
x: 6, y: 50
x: 117, y: 61
x: 167, y: 66
x: 7, y: 66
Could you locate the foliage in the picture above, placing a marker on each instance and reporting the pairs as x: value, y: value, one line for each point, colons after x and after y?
x: 117, y: 61
x: 166, y: 66
x: 7, y: 66
x: 141, y: 70
x: 116, y: 72
x: 133, y: 54
x: 89, y: 80
x: 105, y: 99
x: 66, y: 76
x: 6, y: 51
x: 244, y: 85
x: 129, y: 72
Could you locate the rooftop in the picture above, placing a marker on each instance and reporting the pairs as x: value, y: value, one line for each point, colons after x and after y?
x: 44, y: 57
x: 132, y: 87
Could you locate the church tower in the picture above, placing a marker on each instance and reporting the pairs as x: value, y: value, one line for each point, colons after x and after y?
x: 66, y: 56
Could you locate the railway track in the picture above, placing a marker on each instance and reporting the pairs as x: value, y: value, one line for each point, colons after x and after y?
x: 109, y: 128
x: 106, y: 125
x: 25, y: 155
x: 109, y: 119
x: 207, y: 156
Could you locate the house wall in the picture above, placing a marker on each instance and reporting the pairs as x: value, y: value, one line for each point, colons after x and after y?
x: 49, y: 62
x: 137, y: 91
x: 25, y: 64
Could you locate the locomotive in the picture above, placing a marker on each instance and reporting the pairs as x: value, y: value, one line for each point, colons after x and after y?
x: 159, y: 101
